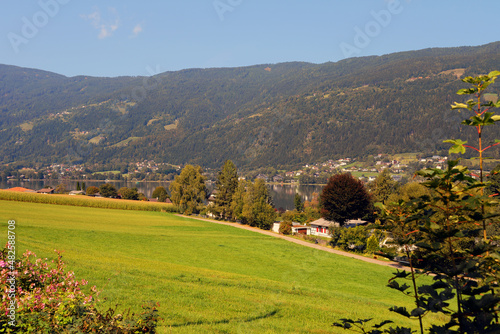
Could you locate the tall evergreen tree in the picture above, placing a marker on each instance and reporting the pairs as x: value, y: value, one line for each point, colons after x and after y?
x: 227, y: 182
x: 383, y: 186
x: 299, y: 205
x: 238, y: 201
x: 78, y: 185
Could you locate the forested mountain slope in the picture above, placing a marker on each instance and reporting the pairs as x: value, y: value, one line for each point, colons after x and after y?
x: 263, y: 115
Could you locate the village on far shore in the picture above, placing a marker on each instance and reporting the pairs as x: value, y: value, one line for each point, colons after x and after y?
x: 401, y: 166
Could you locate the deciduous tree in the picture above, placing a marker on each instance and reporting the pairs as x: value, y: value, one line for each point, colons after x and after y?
x: 160, y: 193
x: 108, y: 190
x: 257, y: 209
x: 188, y: 190
x: 92, y: 190
x: 60, y: 189
x: 128, y: 193
x: 345, y: 198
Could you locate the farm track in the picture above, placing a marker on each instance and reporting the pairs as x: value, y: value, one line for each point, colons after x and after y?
x: 305, y: 243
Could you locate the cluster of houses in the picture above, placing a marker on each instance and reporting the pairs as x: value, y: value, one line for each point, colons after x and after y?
x: 319, y: 227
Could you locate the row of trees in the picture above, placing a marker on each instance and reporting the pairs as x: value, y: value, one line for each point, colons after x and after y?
x: 109, y: 190
x: 243, y: 201
x: 234, y: 200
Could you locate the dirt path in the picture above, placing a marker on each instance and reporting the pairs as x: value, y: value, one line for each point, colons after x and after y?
x: 305, y: 243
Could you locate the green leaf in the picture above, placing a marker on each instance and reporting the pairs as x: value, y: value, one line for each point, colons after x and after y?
x: 486, y: 119
x: 458, y: 146
x: 434, y: 226
x: 494, y: 74
x: 470, y: 80
x: 467, y: 91
x: 459, y: 106
x: 495, y: 118
x: 489, y: 118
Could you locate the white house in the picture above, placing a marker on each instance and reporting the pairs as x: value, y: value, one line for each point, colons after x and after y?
x: 355, y: 222
x: 298, y: 228
x: 321, y: 226
x: 276, y: 227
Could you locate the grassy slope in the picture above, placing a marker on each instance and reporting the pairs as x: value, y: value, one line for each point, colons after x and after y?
x: 207, y: 277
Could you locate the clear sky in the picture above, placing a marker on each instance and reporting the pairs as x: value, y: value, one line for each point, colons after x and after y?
x: 125, y: 37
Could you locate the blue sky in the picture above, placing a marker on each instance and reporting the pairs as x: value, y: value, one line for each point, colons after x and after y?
x: 124, y: 37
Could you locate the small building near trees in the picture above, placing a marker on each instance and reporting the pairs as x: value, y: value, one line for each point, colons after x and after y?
x: 77, y: 192
x: 301, y: 229
x: 321, y: 227
x: 45, y: 191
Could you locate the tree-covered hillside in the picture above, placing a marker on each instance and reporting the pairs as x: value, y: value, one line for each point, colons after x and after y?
x: 264, y: 115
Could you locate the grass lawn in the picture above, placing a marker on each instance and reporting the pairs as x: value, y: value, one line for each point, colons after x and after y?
x: 206, y: 277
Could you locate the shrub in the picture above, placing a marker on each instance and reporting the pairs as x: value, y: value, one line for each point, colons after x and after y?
x: 51, y: 300
x: 285, y: 227
x: 372, y: 244
x: 353, y: 238
x: 92, y: 190
x: 128, y: 193
x: 160, y: 193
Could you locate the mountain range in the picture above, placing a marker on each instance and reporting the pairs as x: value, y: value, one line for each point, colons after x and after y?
x: 279, y: 115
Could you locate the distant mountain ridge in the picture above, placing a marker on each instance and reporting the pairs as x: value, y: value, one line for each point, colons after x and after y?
x: 264, y: 115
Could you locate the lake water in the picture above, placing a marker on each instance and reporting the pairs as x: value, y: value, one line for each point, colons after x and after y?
x: 282, y: 195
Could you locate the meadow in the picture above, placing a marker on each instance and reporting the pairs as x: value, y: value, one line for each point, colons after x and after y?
x: 208, y: 278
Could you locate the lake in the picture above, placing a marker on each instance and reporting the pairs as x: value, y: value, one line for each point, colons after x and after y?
x: 282, y: 195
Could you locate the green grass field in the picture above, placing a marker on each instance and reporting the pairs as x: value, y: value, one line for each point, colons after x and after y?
x: 208, y: 278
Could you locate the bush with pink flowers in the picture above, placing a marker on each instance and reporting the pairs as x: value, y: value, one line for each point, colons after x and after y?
x: 48, y: 299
